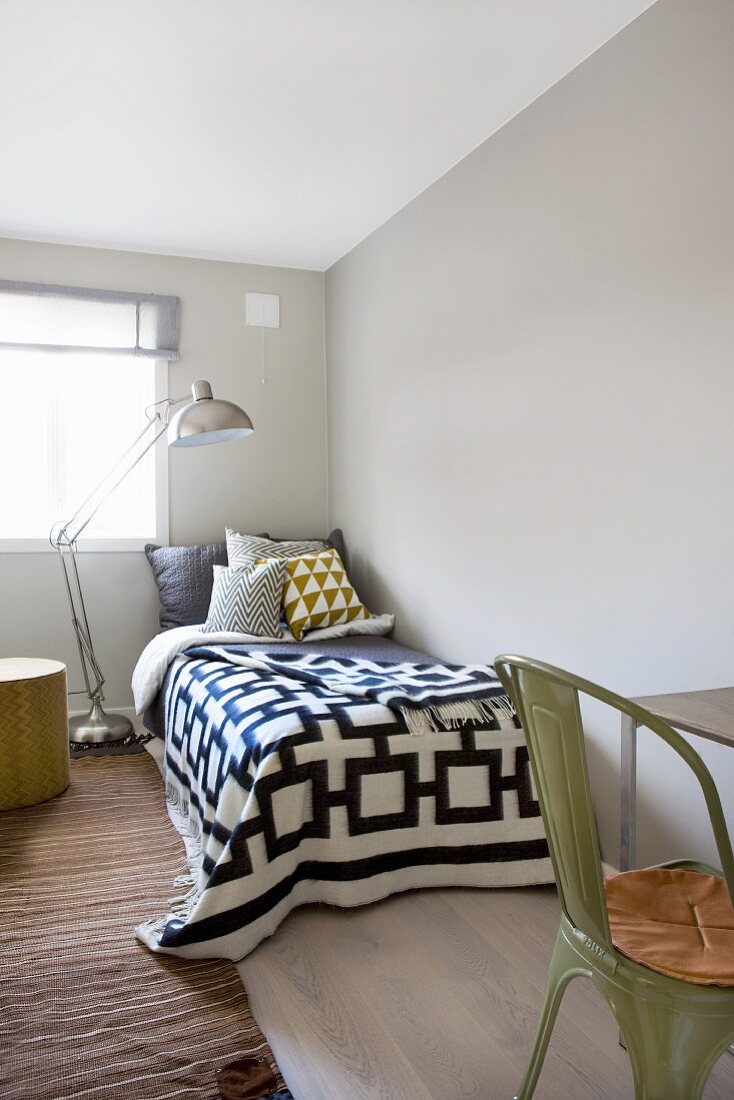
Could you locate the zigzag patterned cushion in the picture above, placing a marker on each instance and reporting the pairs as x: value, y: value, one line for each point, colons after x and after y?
x: 247, y: 601
x: 318, y: 593
x: 242, y: 550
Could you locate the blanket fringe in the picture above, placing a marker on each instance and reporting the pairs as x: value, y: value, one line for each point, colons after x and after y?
x: 452, y: 716
x: 178, y: 808
x: 182, y: 906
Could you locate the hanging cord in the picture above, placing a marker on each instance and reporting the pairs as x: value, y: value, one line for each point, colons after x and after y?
x: 262, y: 355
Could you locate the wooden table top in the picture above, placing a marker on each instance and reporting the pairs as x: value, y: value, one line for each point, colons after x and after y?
x: 709, y: 714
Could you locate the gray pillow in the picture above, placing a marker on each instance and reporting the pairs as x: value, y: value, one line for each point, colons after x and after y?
x: 184, y: 575
x: 335, y: 539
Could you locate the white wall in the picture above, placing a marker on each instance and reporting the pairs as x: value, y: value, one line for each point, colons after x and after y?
x: 274, y: 480
x: 530, y: 390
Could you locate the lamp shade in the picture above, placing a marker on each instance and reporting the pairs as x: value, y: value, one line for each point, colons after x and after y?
x: 207, y: 420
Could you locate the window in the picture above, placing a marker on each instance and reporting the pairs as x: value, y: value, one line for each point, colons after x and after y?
x: 78, y: 368
x: 80, y: 412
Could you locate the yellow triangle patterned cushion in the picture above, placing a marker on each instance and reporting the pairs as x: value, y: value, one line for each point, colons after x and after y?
x: 318, y: 593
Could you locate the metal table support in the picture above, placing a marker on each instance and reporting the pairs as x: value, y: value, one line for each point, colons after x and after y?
x: 628, y: 790
x: 628, y: 834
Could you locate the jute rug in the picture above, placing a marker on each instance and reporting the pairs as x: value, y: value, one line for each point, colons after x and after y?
x: 85, y: 1010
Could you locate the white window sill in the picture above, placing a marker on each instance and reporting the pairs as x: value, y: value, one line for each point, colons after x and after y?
x: 43, y: 546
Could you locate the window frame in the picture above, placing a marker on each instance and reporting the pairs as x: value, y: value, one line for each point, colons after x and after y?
x: 116, y: 544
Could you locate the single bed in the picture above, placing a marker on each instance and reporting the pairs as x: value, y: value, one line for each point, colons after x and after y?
x: 289, y: 787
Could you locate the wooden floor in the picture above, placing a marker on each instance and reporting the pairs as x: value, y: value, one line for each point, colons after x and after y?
x: 433, y: 995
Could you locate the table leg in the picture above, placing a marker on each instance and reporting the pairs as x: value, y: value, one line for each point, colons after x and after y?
x: 628, y: 838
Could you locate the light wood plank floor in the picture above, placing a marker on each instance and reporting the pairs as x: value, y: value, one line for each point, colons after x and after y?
x: 433, y: 995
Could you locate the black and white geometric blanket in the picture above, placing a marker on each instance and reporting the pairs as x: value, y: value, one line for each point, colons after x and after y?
x: 296, y: 779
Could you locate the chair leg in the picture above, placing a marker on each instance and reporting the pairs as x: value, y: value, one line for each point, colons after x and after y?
x: 563, y: 967
x: 672, y: 1053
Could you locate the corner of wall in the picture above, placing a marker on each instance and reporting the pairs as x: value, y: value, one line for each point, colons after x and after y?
x: 326, y: 402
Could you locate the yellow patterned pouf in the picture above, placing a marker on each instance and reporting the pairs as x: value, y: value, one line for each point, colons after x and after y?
x: 34, y: 731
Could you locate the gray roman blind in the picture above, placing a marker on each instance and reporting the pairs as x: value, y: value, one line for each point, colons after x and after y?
x: 70, y: 318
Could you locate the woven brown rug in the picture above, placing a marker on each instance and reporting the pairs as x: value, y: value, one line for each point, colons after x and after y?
x: 86, y: 1010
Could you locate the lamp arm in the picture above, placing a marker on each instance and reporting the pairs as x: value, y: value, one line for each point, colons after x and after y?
x: 87, y: 658
x: 218, y: 420
x: 70, y: 529
x: 63, y: 537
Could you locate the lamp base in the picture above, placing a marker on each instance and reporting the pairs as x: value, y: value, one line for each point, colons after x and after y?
x: 96, y: 726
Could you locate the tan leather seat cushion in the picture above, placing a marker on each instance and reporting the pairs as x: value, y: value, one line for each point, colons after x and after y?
x: 680, y: 923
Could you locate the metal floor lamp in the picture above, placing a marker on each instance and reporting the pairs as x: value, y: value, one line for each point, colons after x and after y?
x: 205, y: 420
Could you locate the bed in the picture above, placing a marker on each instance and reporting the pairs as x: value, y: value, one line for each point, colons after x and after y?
x: 293, y: 778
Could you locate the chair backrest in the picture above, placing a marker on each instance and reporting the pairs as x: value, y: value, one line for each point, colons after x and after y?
x: 547, y: 702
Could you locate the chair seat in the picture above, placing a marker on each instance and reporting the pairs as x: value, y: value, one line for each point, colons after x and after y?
x: 677, y: 922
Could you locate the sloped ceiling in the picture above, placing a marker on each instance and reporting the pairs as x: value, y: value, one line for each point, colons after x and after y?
x: 270, y: 131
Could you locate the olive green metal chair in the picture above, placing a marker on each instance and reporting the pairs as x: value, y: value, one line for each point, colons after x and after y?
x: 674, y: 1030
